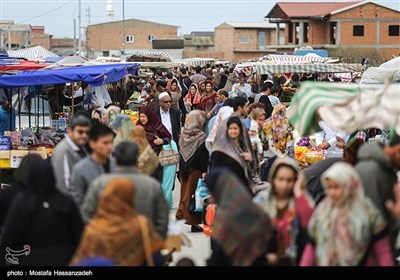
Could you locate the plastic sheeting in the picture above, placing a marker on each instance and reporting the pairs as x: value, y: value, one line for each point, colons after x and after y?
x: 93, y: 75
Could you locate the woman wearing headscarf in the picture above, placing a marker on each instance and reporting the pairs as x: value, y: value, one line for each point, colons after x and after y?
x: 224, y: 113
x: 117, y: 231
x: 98, y: 114
x: 21, y: 182
x: 194, y: 162
x: 41, y: 220
x: 241, y: 230
x: 279, y: 133
x: 156, y: 133
x: 289, y: 208
x: 175, y: 92
x: 122, y: 126
x: 148, y: 160
x: 110, y: 113
x: 346, y: 229
x: 232, y: 149
x: 208, y: 100
x: 257, y: 117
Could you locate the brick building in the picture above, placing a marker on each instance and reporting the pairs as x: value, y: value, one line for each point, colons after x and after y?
x: 63, y: 46
x: 39, y: 38
x: 240, y: 41
x: 344, y: 25
x: 14, y: 36
x: 200, y: 44
x: 106, y: 39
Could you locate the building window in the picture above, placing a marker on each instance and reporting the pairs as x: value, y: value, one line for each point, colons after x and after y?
x: 332, y: 33
x: 151, y: 37
x: 261, y: 40
x: 290, y: 32
x: 129, y: 38
x: 305, y: 32
x: 358, y: 30
x: 106, y: 53
x: 244, y: 39
x: 394, y: 30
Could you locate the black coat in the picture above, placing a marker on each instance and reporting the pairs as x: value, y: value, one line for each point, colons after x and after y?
x: 175, y: 123
x: 219, y: 159
x: 50, y: 224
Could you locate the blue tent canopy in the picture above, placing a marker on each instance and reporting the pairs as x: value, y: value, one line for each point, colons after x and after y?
x: 96, y: 75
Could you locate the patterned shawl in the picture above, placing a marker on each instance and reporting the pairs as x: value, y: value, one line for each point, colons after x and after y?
x: 224, y: 145
x: 122, y: 126
x: 114, y: 231
x: 240, y: 227
x: 278, y: 130
x: 193, y: 134
x: 148, y: 159
x: 223, y: 113
x: 287, y: 230
x: 342, y: 232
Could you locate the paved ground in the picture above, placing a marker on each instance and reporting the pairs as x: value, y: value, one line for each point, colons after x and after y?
x: 200, y: 249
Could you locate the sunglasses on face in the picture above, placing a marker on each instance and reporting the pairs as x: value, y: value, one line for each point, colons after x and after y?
x: 168, y: 101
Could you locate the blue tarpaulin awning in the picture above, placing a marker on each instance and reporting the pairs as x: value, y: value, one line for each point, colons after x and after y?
x: 96, y: 75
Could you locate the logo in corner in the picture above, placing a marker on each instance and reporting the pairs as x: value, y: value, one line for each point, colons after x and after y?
x: 11, y: 255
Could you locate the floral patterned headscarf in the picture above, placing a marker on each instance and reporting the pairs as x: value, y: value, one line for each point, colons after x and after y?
x: 278, y: 129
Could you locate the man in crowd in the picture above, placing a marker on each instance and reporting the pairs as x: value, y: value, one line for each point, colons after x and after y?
x: 242, y: 89
x: 7, y: 116
x: 241, y: 109
x: 169, y: 117
x: 85, y: 171
x: 185, y: 83
x: 69, y: 151
x: 222, y: 96
x: 198, y: 76
x: 149, y: 197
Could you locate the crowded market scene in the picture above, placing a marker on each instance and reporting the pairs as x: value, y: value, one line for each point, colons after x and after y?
x: 148, y: 160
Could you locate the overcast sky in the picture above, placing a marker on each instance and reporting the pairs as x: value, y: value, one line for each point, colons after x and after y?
x: 190, y: 15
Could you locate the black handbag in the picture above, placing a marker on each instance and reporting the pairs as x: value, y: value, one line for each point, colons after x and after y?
x: 192, y: 204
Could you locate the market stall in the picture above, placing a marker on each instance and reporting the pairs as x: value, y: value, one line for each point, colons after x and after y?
x: 345, y: 107
x: 16, y: 144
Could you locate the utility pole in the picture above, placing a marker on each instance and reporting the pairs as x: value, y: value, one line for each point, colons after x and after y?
x: 123, y: 27
x: 9, y: 37
x: 74, y: 36
x: 79, y: 29
x: 88, y: 14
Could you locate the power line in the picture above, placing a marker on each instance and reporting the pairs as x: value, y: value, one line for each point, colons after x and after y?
x: 63, y: 5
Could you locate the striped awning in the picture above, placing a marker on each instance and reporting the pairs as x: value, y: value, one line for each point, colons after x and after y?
x: 295, y: 58
x: 196, y: 61
x: 37, y: 52
x: 345, y: 107
x: 272, y: 68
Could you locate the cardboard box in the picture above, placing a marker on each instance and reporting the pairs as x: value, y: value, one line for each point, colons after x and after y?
x: 173, y: 241
x: 4, y: 159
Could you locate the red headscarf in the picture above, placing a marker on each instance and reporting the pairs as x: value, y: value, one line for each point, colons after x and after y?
x: 153, y: 128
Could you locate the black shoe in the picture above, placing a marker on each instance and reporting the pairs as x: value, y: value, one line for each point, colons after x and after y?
x: 197, y: 229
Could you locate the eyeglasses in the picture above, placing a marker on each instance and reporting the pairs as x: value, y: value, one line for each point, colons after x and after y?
x: 83, y: 132
x: 169, y: 101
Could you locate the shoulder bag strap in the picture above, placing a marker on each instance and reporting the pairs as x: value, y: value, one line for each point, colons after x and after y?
x: 146, y: 240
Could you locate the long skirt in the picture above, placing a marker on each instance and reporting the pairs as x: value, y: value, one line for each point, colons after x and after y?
x: 188, y: 187
x: 168, y: 176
